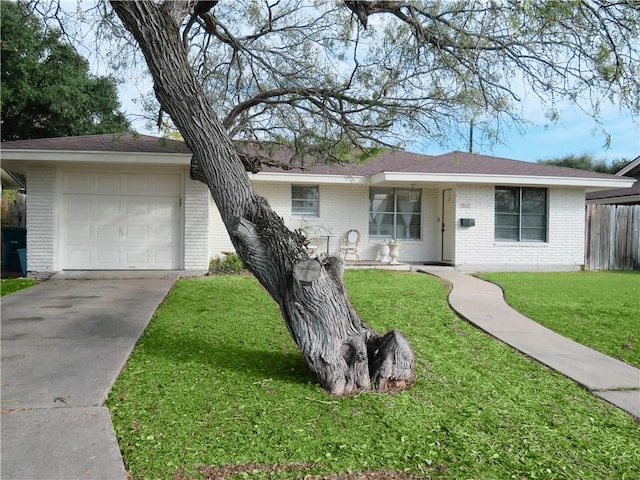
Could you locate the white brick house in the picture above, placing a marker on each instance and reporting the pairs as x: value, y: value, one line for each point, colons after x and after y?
x: 127, y: 202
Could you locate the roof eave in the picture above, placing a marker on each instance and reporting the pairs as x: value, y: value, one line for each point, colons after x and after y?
x: 314, y: 178
x: 493, y: 179
x: 15, y: 158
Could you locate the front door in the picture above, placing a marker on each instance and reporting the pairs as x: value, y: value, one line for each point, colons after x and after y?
x: 448, y: 225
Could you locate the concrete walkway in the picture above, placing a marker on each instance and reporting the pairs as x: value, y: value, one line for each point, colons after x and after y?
x: 64, y: 343
x: 482, y: 303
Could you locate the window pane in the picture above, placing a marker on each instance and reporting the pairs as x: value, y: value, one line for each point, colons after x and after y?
x: 536, y: 221
x: 534, y: 201
x: 305, y: 200
x: 381, y: 225
x: 507, y: 227
x: 507, y: 200
x: 533, y: 234
x: 408, y: 227
x: 408, y: 218
x: 521, y: 220
x: 381, y: 201
x: 395, y: 213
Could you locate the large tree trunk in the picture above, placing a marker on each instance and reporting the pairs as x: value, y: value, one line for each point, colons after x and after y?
x: 342, y: 351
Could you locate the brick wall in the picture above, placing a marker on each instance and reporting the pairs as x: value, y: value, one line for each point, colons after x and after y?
x: 41, y: 215
x: 342, y: 208
x: 476, y: 248
x: 196, y: 225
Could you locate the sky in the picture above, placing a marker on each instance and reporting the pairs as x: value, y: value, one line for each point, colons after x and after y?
x: 575, y: 133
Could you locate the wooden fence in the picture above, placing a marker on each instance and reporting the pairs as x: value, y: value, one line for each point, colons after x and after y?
x: 14, y: 213
x: 613, y: 237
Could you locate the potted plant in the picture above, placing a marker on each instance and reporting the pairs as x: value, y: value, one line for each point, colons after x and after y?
x: 394, y: 251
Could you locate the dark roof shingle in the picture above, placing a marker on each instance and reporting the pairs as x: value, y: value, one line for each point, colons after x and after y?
x: 387, y: 161
x: 110, y: 142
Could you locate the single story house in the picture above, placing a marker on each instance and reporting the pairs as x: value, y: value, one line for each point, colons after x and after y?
x: 126, y: 202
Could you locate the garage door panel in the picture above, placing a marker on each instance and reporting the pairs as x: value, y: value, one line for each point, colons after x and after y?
x: 135, y: 257
x: 106, y: 206
x: 121, y: 231
x: 107, y: 183
x: 137, y: 232
x: 108, y: 256
x: 78, y: 182
x: 167, y: 183
x: 107, y: 232
x: 81, y: 232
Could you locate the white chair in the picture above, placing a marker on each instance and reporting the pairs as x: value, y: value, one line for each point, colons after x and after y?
x: 349, y: 244
x: 312, y: 246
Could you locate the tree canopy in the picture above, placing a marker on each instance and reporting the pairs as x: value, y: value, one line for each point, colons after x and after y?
x: 587, y: 162
x: 47, y: 90
x: 327, y: 76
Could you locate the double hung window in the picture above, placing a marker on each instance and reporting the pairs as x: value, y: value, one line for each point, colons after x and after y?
x: 521, y: 214
x: 395, y: 213
x: 305, y: 200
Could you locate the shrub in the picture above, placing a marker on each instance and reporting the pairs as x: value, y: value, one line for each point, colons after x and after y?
x: 230, y: 263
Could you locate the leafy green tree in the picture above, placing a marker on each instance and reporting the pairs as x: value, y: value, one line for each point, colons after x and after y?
x: 47, y: 90
x: 587, y: 162
x: 326, y: 77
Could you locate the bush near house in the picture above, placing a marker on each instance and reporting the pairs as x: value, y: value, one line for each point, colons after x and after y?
x: 230, y: 263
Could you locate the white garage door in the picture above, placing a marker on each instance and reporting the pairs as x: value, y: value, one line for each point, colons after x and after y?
x: 121, y: 221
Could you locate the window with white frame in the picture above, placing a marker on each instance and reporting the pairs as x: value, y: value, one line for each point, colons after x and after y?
x: 395, y: 213
x: 521, y: 214
x: 305, y: 200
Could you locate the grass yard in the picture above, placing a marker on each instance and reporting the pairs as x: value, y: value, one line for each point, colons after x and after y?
x: 217, y: 389
x: 10, y: 285
x: 598, y: 309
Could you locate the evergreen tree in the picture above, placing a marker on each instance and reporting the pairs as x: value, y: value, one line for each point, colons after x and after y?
x: 47, y: 90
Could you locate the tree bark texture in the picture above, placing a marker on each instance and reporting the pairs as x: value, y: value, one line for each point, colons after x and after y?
x: 344, y: 354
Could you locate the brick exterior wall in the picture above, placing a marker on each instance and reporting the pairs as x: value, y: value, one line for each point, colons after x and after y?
x: 196, y: 225
x: 476, y: 248
x: 41, y: 220
x: 343, y: 207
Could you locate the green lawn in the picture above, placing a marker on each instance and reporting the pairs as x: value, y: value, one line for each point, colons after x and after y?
x: 598, y: 309
x: 10, y: 285
x: 215, y: 385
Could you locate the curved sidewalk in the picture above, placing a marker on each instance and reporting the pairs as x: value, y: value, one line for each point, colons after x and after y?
x: 482, y: 303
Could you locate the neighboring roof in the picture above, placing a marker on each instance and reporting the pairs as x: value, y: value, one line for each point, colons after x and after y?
x: 632, y: 169
x: 12, y: 180
x: 387, y: 166
x: 118, y: 142
x: 621, y: 195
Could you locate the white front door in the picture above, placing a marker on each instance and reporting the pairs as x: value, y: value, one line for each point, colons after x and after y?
x: 121, y: 221
x: 448, y: 225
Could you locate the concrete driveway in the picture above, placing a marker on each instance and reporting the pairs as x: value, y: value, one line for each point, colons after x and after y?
x: 64, y: 342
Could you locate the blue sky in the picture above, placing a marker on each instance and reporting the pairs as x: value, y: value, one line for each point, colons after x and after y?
x: 575, y: 133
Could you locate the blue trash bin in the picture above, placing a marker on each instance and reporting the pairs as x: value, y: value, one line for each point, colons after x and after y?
x: 22, y: 255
